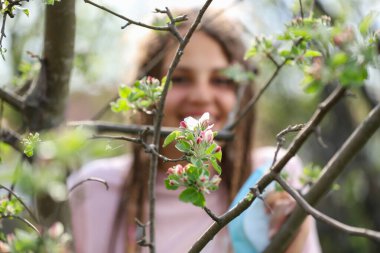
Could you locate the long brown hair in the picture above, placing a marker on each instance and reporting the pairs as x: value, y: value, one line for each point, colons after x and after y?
x: 237, y: 162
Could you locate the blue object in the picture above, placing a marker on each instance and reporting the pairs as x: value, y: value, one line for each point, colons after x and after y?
x: 249, y: 232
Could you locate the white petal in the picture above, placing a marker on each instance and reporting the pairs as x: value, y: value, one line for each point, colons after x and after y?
x: 191, y: 123
x: 205, y: 116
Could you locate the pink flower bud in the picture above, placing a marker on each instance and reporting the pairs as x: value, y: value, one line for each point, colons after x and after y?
x: 182, y: 124
x: 215, y: 180
x: 171, y: 171
x: 199, y: 140
x: 203, y: 179
x: 173, y: 182
x: 218, y: 149
x: 209, y: 136
x: 56, y: 230
x: 179, y: 169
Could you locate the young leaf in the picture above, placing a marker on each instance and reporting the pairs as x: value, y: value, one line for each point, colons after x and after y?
x: 216, y: 165
x: 170, y: 138
x: 193, y: 196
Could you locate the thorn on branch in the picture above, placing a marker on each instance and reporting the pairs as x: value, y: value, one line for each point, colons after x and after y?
x: 255, y: 191
x: 281, y: 139
x: 212, y: 215
x: 125, y: 26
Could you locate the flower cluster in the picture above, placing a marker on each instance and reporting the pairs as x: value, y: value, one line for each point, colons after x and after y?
x: 54, y: 240
x: 191, y: 176
x: 143, y: 95
x: 196, y: 140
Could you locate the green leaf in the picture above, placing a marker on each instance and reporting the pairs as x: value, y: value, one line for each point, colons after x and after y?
x: 216, y: 165
x: 251, y: 52
x: 339, y: 59
x: 353, y: 75
x: 218, y: 156
x: 210, y: 149
x: 312, y: 53
x: 171, y: 137
x: 367, y: 22
x: 124, y: 91
x: 26, y: 11
x: 169, y: 186
x: 193, y: 196
x: 313, y: 86
x: 183, y: 146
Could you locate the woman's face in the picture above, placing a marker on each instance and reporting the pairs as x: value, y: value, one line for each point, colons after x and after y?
x: 198, y: 85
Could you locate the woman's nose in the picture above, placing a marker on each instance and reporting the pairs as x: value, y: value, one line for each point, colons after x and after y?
x: 201, y: 92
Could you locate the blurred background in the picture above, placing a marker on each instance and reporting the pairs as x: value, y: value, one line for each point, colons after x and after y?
x: 104, y: 59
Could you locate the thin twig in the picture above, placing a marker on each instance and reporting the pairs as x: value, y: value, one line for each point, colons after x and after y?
x: 328, y: 175
x: 92, y: 179
x: 12, y: 99
x: 142, y: 241
x: 2, y: 35
x: 14, y: 194
x: 21, y: 219
x: 301, y: 9
x: 324, y: 218
x: 158, y: 121
x: 172, y: 24
x: 254, y: 100
x: 268, y: 178
x: 129, y: 21
x: 281, y: 139
x: 211, y: 214
x: 102, y: 127
x: 122, y: 138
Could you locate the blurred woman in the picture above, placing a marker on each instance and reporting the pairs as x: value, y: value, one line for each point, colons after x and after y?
x: 105, y: 221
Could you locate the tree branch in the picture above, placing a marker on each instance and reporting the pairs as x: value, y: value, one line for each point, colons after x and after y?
x: 102, y: 127
x: 324, y: 218
x: 12, y: 193
x: 330, y: 172
x: 12, y: 99
x: 130, y: 21
x: 21, y: 219
x: 256, y: 98
x: 158, y: 120
x: 93, y: 179
x: 316, y: 118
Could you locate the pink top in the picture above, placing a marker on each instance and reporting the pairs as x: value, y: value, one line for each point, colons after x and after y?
x: 178, y: 224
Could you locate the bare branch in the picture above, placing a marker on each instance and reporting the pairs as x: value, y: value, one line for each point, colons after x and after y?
x: 129, y: 21
x: 254, y: 100
x: 329, y: 173
x: 323, y: 108
x: 102, y: 127
x: 12, y: 99
x: 2, y: 36
x: 159, y: 116
x: 123, y: 138
x: 93, y: 179
x: 324, y: 218
x: 211, y: 214
x: 12, y: 193
x: 301, y: 9
x: 281, y: 139
x: 21, y: 219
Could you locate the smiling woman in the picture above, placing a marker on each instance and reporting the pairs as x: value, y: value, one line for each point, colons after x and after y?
x: 198, y: 87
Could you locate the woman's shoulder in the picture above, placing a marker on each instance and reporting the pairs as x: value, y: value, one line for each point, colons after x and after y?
x: 113, y: 170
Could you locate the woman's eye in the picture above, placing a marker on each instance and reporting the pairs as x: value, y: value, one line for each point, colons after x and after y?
x: 180, y: 80
x: 223, y: 81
